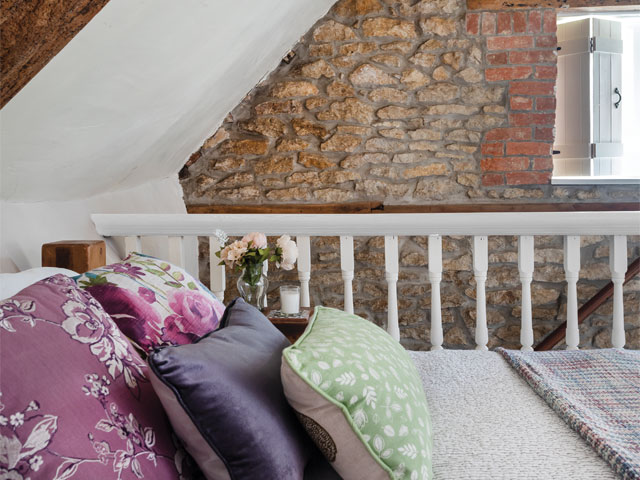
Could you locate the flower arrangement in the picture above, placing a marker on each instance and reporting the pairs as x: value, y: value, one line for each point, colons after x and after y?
x: 249, y: 253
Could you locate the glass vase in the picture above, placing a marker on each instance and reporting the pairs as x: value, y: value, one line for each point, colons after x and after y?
x: 252, y: 285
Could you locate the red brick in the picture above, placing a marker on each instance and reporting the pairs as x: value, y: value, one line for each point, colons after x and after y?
x: 535, y: 21
x: 504, y: 22
x: 528, y: 148
x: 509, y: 43
x: 492, y: 179
x: 531, y: 88
x: 488, y: 23
x: 507, y: 73
x: 509, y: 134
x: 519, y: 22
x: 546, y: 41
x: 526, y: 119
x: 473, y: 23
x: 544, y: 133
x: 545, y: 103
x: 493, y: 148
x: 497, y: 58
x: 546, y: 72
x: 528, y: 178
x: 532, y: 56
x: 504, y: 164
x: 543, y: 163
x: 521, y: 103
x: 549, y: 24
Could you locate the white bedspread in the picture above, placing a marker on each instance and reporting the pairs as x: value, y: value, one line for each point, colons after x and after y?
x: 489, y: 424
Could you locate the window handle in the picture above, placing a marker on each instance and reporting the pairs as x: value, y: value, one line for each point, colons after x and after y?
x: 617, y: 92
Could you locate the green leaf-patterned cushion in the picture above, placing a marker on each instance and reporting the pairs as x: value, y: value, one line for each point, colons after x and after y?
x: 358, y: 394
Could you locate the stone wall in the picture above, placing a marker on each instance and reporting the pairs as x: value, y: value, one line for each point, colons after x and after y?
x: 410, y: 102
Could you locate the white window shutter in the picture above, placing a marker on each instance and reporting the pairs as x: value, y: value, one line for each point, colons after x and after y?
x: 588, y: 124
x: 607, y: 77
x: 573, y: 127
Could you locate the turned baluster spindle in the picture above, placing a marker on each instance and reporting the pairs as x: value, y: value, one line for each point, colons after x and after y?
x: 265, y: 272
x: 347, y: 266
x: 132, y: 244
x: 480, y: 266
x: 618, y: 267
x: 176, y: 252
x: 304, y: 268
x: 391, y: 275
x: 525, y: 267
x: 435, y: 277
x: 217, y: 280
x: 572, y: 273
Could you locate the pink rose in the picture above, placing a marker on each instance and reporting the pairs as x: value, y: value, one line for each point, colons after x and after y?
x: 195, y: 312
x: 255, y: 240
x: 233, y: 253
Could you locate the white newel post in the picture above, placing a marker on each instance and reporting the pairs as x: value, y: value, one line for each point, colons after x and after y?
x: 525, y: 267
x: 217, y: 280
x: 480, y: 266
x: 435, y: 277
x: 304, y: 268
x: 572, y: 273
x: 347, y: 266
x: 391, y: 274
x: 618, y: 267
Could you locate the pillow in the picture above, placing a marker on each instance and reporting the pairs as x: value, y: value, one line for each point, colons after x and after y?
x: 359, y: 397
x: 153, y: 302
x: 76, y: 402
x: 12, y: 283
x: 224, y: 398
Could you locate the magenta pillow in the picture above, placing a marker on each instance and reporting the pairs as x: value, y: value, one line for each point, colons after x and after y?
x: 75, y: 399
x: 154, y: 302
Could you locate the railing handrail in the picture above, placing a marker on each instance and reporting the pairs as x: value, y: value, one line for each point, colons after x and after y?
x: 492, y: 223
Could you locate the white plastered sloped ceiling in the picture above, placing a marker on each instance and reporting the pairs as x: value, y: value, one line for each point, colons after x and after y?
x: 138, y: 90
x: 132, y: 95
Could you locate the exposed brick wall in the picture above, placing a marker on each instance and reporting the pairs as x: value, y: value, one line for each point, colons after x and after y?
x: 413, y: 102
x: 521, y: 51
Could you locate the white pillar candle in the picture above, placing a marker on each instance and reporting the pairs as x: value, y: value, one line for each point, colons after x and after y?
x: 290, y: 299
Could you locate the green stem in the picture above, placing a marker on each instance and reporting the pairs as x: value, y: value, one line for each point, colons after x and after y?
x: 252, y: 273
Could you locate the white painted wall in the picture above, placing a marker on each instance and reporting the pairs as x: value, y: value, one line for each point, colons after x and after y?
x: 106, y: 125
x: 138, y: 90
x: 26, y: 226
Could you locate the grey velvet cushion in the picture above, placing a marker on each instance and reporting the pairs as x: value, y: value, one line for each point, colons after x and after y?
x: 224, y: 397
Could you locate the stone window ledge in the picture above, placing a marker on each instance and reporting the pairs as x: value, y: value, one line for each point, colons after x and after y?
x: 601, y: 180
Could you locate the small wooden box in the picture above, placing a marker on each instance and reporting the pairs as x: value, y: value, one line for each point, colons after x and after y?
x: 291, y: 327
x: 77, y: 255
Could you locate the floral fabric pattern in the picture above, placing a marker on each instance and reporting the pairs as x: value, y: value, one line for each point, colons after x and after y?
x: 359, y: 368
x: 154, y: 303
x: 76, y: 402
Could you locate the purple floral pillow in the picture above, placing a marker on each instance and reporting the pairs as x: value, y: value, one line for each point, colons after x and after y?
x: 75, y: 400
x: 153, y: 302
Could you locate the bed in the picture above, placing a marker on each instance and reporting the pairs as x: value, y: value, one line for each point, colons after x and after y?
x: 488, y: 421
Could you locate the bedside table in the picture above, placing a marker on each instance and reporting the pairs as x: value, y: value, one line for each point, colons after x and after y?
x: 291, y: 327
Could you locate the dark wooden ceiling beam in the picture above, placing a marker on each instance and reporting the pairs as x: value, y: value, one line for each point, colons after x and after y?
x: 32, y: 32
x: 502, y: 4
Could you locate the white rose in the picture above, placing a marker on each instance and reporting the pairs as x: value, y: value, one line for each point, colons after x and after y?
x: 289, y: 252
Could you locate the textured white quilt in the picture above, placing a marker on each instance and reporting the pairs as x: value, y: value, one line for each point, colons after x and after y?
x: 489, y: 424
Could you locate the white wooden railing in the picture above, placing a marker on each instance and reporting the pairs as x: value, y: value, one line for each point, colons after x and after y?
x: 571, y: 225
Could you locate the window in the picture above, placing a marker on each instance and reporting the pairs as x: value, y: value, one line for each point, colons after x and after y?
x: 598, y: 100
